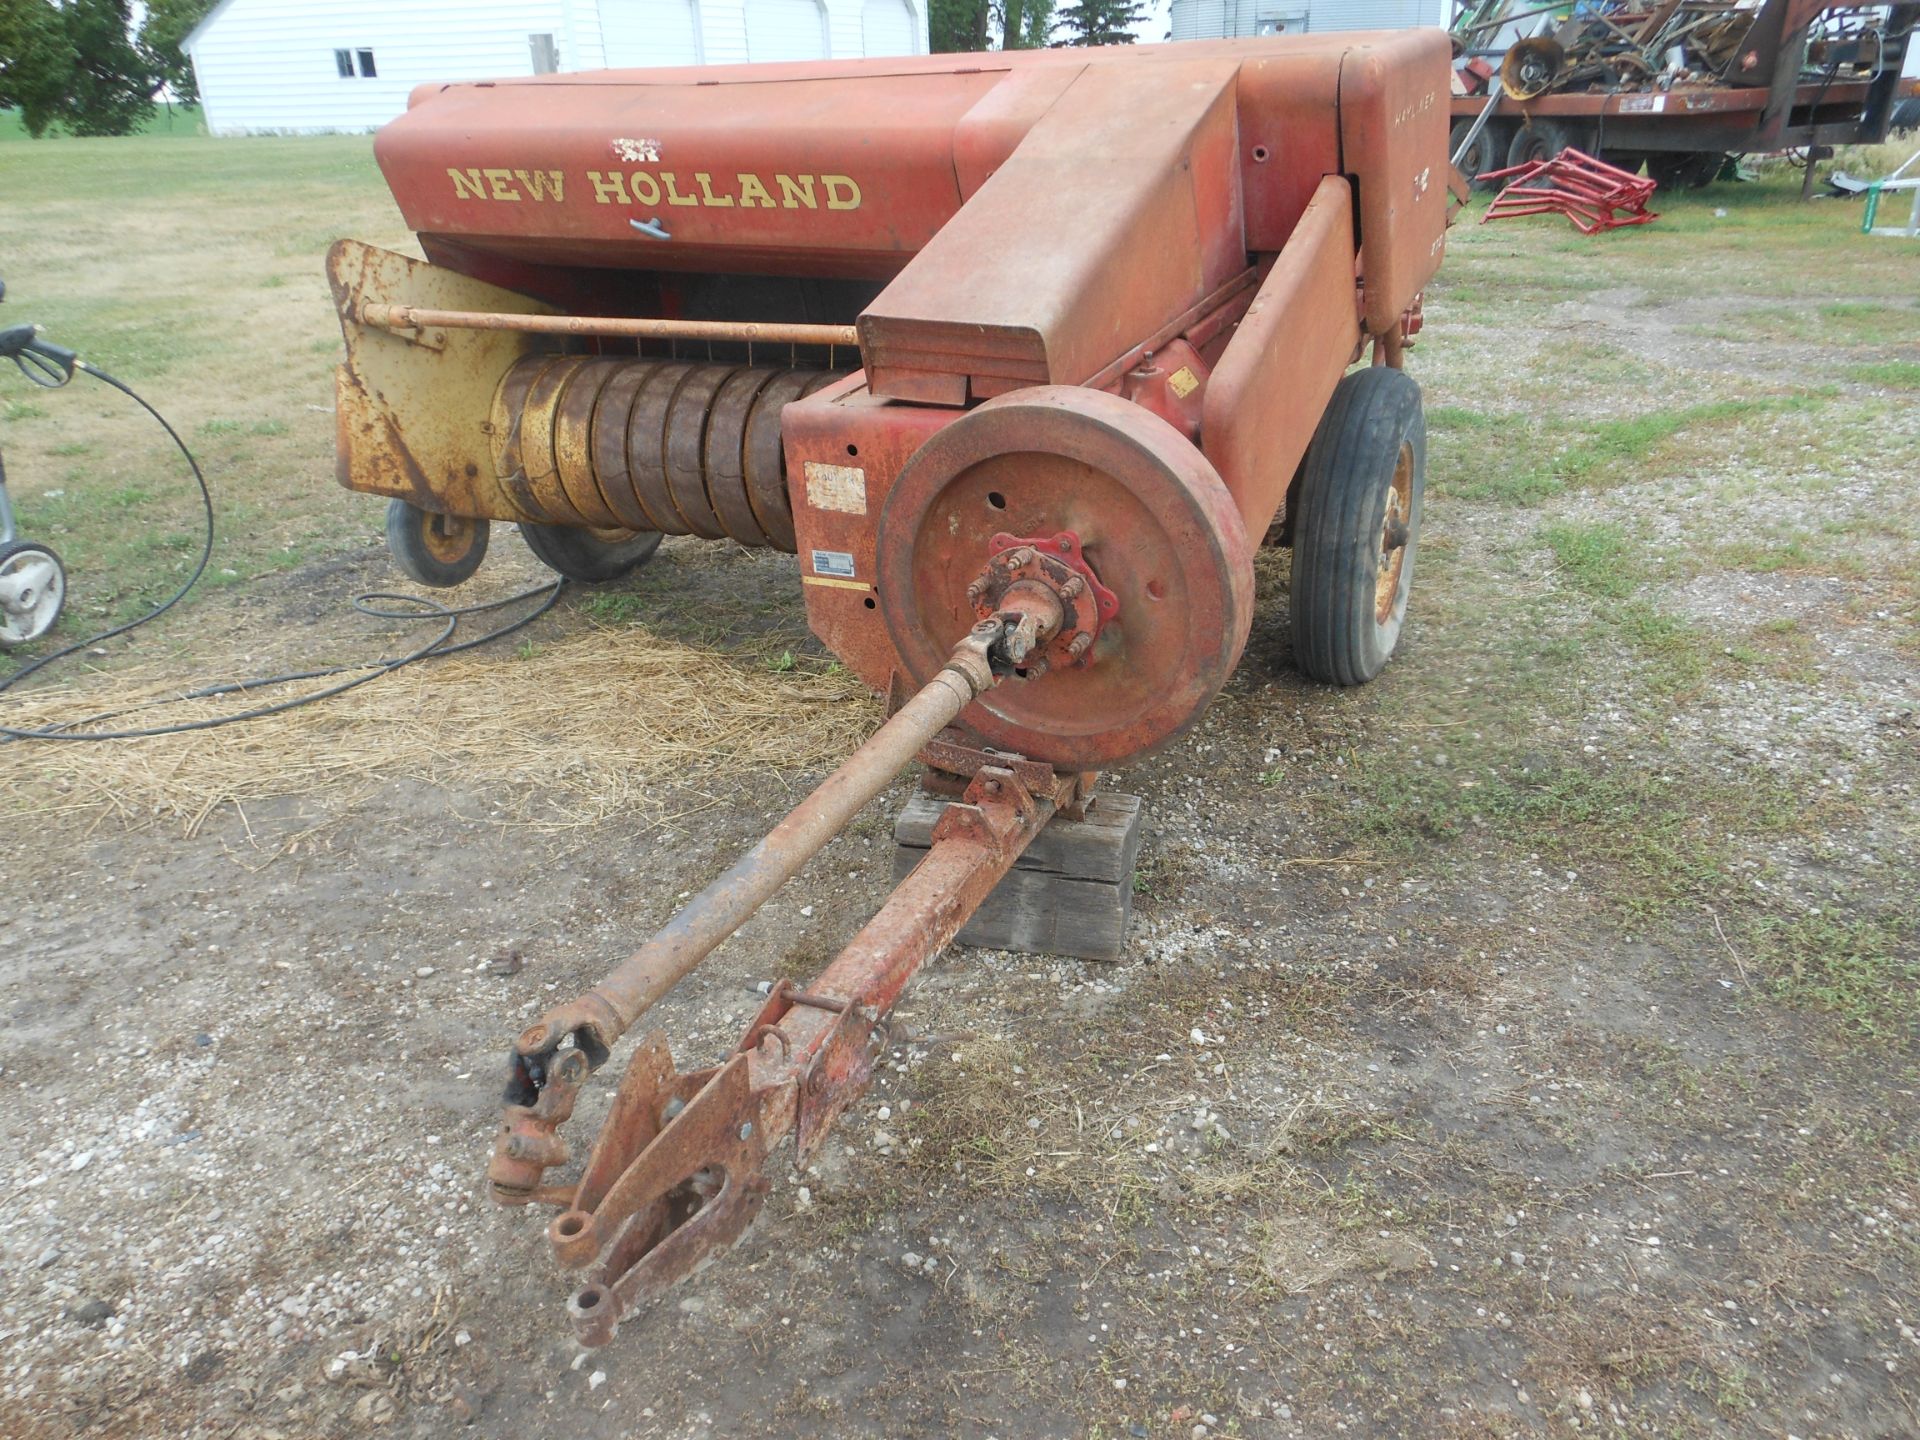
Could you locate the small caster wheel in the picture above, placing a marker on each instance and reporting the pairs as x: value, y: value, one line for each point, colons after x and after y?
x: 1356, y: 525
x: 434, y: 549
x: 33, y: 588
x: 593, y: 557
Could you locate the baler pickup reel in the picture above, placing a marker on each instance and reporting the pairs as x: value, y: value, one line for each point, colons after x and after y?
x: 678, y: 1171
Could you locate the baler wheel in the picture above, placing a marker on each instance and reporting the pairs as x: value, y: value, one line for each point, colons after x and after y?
x: 592, y: 557
x: 434, y: 549
x: 1357, y: 526
x: 1147, y: 512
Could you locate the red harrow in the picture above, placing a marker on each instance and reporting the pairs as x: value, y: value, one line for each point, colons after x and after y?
x: 1592, y: 194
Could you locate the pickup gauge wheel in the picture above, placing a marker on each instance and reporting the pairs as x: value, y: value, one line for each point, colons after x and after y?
x: 434, y: 549
x: 1357, y: 526
x: 592, y: 557
x: 33, y: 588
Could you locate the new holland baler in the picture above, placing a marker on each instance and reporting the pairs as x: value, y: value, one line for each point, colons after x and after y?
x: 1022, y: 353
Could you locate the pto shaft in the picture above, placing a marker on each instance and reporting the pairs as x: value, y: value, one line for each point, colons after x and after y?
x: 597, y: 1019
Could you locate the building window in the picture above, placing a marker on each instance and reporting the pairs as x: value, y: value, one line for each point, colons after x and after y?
x: 343, y: 62
x: 546, y: 55
x: 367, y: 72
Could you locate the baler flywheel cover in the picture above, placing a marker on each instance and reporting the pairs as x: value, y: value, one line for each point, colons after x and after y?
x: 1155, y: 524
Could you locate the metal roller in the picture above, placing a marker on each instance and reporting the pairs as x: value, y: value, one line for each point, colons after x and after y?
x: 666, y: 445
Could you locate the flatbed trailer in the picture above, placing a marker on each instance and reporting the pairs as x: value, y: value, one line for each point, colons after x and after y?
x: 1684, y: 134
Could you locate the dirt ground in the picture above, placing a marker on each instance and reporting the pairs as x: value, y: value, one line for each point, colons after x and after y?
x: 1524, y: 1045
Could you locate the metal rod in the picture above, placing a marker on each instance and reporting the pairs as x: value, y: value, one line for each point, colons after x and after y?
x: 607, y: 1011
x: 414, y: 317
x: 748, y: 1106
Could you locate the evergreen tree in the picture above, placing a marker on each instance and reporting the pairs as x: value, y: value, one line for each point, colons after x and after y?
x: 1099, y: 22
x: 74, y: 65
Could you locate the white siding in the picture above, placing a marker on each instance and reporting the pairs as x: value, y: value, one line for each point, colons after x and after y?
x: 887, y: 27
x: 636, y: 33
x: 786, y: 30
x: 268, y: 65
x: 1223, y: 19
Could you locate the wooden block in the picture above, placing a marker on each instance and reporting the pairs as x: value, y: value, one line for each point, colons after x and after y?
x: 1070, y: 893
x: 1101, y: 847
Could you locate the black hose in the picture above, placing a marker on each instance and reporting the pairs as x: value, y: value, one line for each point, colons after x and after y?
x: 548, y: 596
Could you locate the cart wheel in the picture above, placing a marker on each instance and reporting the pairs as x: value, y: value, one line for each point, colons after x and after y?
x: 593, y: 557
x: 1483, y: 155
x: 33, y: 587
x: 1538, y: 139
x: 434, y: 549
x: 1357, y: 523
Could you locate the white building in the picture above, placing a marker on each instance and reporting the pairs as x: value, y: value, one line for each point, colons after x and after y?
x: 1221, y: 19
x: 297, y: 66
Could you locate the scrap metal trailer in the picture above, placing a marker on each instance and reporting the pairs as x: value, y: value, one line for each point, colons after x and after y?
x: 1675, y: 85
x: 1023, y: 354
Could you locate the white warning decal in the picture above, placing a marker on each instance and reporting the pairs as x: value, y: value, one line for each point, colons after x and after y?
x: 833, y: 562
x: 837, y: 487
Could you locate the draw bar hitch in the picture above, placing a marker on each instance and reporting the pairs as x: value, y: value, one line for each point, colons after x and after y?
x: 679, y: 1169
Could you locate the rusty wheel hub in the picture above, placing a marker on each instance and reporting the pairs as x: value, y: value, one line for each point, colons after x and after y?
x: 1048, y: 578
x: 1118, y: 502
x: 1394, y: 534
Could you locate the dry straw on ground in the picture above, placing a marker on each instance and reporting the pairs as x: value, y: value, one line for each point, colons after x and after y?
x: 579, y: 730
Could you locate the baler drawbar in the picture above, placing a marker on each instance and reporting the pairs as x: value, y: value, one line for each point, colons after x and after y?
x: 1023, y: 354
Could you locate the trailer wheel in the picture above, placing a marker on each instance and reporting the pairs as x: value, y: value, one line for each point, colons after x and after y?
x: 33, y: 588
x: 1538, y: 139
x: 1483, y: 155
x: 593, y: 557
x: 1358, y: 522
x: 1685, y: 169
x: 434, y: 549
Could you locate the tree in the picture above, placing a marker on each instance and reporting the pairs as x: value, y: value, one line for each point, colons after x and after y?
x: 1025, y: 24
x: 958, y: 26
x: 169, y: 22
x: 968, y: 25
x: 75, y: 65
x: 36, y: 62
x: 1100, y: 22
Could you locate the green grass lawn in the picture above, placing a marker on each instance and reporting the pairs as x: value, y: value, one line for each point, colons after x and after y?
x: 191, y: 269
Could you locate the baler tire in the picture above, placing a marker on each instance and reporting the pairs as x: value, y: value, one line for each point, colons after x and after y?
x: 1485, y: 154
x: 1538, y: 139
x: 432, y: 549
x: 1370, y: 445
x: 589, y: 556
